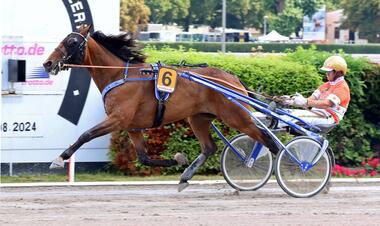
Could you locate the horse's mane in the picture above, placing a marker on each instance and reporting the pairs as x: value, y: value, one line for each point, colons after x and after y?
x: 122, y: 45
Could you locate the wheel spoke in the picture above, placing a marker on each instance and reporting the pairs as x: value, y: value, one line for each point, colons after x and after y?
x: 237, y: 174
x: 292, y: 179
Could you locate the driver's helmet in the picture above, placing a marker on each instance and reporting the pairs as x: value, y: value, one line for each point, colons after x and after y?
x: 336, y: 63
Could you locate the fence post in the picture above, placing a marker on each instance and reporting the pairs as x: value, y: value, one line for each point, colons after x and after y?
x: 71, y: 169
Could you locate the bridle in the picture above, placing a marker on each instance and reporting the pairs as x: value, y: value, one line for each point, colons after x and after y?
x: 67, y: 55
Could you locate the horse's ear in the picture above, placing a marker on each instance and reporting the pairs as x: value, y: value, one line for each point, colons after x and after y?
x: 84, y: 29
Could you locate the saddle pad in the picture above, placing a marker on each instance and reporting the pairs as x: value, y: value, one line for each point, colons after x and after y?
x: 167, y: 80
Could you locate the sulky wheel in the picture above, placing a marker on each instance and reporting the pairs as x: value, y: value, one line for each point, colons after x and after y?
x: 289, y: 174
x: 237, y: 173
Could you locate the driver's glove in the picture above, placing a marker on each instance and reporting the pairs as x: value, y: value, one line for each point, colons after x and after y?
x: 299, y: 100
x: 287, y: 100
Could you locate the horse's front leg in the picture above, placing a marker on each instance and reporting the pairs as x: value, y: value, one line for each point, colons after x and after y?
x: 140, y: 146
x: 101, y: 129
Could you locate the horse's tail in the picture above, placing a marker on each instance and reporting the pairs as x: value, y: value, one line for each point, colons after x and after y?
x: 250, y: 94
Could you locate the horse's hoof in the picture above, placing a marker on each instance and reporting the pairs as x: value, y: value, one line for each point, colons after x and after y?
x: 57, y: 163
x: 326, y: 189
x: 182, y: 186
x: 181, y: 159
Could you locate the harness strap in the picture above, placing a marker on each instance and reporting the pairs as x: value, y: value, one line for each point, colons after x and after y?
x: 120, y: 82
x: 116, y: 83
x: 160, y: 96
x: 126, y: 70
x: 160, y: 111
x: 111, y: 86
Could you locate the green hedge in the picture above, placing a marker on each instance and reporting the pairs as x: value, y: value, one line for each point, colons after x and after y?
x: 267, y: 47
x: 272, y: 74
x: 277, y: 75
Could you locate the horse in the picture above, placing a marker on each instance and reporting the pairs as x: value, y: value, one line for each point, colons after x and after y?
x: 132, y: 105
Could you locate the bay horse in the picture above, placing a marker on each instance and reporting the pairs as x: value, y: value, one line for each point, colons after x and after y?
x: 133, y: 104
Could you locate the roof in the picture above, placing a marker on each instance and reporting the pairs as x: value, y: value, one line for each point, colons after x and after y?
x: 273, y: 36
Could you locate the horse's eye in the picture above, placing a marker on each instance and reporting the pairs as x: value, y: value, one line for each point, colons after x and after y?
x: 72, y: 42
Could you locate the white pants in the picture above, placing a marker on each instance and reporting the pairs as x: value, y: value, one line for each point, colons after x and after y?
x: 308, y: 116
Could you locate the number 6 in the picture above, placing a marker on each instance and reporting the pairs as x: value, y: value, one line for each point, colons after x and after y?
x: 166, y: 78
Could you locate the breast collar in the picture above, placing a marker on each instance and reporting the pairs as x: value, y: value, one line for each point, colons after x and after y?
x: 120, y: 82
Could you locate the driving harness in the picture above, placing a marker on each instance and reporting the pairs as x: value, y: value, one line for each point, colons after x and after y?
x: 161, y: 96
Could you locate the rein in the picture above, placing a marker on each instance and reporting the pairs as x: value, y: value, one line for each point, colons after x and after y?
x: 273, y: 98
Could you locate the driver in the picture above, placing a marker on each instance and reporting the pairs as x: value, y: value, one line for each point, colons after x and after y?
x: 330, y: 101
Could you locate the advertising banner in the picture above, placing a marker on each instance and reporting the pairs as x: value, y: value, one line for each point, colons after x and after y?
x: 314, y: 28
x: 43, y: 115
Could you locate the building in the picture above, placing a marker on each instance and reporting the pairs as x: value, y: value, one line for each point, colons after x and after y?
x: 336, y: 35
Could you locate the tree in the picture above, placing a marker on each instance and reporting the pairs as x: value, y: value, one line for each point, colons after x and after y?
x: 363, y: 16
x: 287, y: 22
x: 332, y: 5
x: 168, y: 11
x: 286, y: 15
x: 133, y: 15
x: 308, y: 7
x: 274, y: 6
x: 290, y: 20
x: 198, y: 14
x: 240, y: 13
x: 245, y: 13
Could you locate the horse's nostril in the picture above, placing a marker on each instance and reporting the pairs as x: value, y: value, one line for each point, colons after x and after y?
x: 48, y: 64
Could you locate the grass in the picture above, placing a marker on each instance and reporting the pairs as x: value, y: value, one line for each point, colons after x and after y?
x: 91, y: 177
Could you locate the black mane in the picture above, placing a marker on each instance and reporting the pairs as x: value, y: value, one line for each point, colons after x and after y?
x: 122, y: 45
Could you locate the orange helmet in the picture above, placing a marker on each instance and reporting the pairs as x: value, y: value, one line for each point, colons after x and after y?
x: 336, y: 63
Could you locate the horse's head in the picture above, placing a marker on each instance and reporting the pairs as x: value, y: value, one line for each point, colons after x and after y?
x: 69, y: 51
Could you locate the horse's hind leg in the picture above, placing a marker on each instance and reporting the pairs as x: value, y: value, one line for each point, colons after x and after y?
x: 140, y: 146
x: 200, y: 125
x: 101, y: 129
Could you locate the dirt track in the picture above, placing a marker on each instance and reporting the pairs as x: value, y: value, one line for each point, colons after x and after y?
x: 346, y: 204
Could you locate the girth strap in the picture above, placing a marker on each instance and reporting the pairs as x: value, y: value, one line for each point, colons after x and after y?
x: 160, y: 111
x: 161, y: 97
